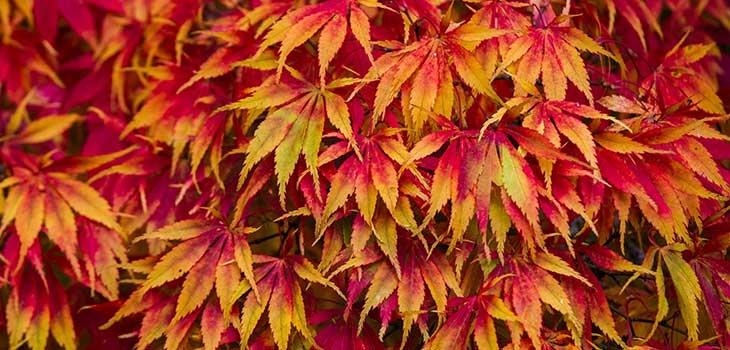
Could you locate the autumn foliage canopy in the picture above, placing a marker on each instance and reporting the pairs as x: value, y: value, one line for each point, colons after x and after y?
x: 364, y: 174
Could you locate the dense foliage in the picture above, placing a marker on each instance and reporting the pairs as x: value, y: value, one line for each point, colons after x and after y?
x: 364, y: 174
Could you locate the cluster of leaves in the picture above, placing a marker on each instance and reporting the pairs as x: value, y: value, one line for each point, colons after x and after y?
x: 364, y: 174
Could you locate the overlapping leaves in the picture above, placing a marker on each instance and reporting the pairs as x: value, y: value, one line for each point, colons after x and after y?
x: 409, y: 174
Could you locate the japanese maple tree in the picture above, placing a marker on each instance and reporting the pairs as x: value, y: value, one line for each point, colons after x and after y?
x: 364, y: 174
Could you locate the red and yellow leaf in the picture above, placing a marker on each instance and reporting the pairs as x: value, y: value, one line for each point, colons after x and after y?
x: 45, y: 129
x: 212, y: 325
x: 177, y: 261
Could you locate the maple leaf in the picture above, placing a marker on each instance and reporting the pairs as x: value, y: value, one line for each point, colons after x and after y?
x: 478, y: 311
x: 649, y: 192
x: 280, y: 292
x: 710, y: 271
x: 211, y: 325
x: 19, y: 49
x: 298, y: 26
x: 429, y: 65
x: 676, y: 80
x: 37, y: 303
x: 466, y: 187
x: 102, y: 250
x: 555, y: 118
x: 158, y: 319
x: 138, y: 40
x: 592, y: 303
x: 182, y: 120
x: 209, y: 255
x: 472, y: 171
x: 625, y: 160
x: 369, y: 175
x: 42, y: 198
x: 685, y: 282
x: 610, y: 260
x: 552, y: 52
x: 42, y: 129
x: 421, y: 272
x: 499, y: 15
x: 528, y: 306
x: 143, y: 184
x: 204, y: 245
x: 453, y: 333
x: 384, y: 284
x: 462, y: 183
x: 294, y: 126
